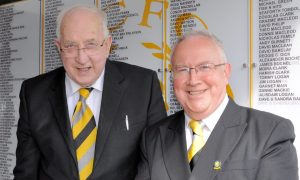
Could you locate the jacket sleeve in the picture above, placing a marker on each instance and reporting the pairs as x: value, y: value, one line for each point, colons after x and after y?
x: 27, y: 153
x: 143, y: 167
x: 156, y: 108
x: 279, y: 159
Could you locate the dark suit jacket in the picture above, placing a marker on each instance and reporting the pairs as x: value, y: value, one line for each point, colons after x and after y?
x: 45, y: 146
x: 250, y: 144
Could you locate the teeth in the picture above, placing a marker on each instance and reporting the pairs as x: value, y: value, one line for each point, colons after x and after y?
x: 195, y: 92
x: 83, y: 69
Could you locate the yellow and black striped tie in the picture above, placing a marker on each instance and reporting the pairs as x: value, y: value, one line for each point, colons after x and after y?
x: 84, y: 134
x: 197, y: 144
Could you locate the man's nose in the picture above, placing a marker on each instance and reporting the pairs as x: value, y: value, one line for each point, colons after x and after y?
x: 192, y: 76
x: 82, y: 57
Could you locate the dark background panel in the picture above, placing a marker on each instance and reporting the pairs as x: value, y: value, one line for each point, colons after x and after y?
x: 7, y: 1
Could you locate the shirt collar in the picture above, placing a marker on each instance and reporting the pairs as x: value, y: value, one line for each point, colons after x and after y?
x: 72, y: 87
x: 211, y: 121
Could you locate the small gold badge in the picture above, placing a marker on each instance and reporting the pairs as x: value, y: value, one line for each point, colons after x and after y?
x: 217, y: 165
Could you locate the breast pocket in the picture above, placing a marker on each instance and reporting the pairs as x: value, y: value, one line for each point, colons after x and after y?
x: 238, y: 170
x: 131, y: 123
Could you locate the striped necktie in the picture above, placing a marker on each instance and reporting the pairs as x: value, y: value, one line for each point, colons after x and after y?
x: 84, y: 134
x: 197, y: 144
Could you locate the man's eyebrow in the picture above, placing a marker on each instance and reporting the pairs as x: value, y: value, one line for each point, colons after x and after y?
x: 69, y: 42
x: 90, y: 40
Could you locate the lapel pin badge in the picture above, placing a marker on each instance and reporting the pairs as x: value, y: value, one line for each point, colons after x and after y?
x: 217, y: 165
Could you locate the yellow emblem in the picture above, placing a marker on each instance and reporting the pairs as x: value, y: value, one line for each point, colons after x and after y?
x: 217, y: 165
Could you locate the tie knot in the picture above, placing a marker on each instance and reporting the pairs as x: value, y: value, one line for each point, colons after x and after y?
x: 85, y: 92
x: 196, y: 127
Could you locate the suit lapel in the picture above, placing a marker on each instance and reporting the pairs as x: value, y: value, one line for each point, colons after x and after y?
x: 174, y: 148
x: 221, y: 142
x: 113, y: 89
x: 58, y: 100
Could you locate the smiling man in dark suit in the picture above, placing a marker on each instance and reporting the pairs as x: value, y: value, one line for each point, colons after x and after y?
x: 213, y: 138
x: 84, y: 120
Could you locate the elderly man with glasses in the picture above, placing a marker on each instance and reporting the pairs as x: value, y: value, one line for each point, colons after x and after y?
x: 84, y: 120
x: 213, y: 138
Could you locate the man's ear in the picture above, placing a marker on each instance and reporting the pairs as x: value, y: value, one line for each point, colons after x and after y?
x: 108, y: 42
x: 57, y: 44
x: 227, y: 71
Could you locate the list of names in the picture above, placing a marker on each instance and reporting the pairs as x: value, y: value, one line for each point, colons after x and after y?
x: 51, y: 56
x: 7, y: 84
x: 180, y: 21
x: 118, y: 15
x: 277, y: 27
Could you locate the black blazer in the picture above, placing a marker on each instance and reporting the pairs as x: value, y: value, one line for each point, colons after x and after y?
x: 45, y: 146
x: 250, y: 144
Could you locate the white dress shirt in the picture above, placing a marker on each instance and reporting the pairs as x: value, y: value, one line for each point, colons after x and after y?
x: 207, y: 124
x: 93, y: 101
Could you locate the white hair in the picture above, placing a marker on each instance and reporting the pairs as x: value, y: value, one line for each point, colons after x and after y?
x: 206, y: 34
x: 92, y: 8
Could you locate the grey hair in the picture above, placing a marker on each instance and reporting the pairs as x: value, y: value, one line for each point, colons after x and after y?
x: 92, y: 8
x: 205, y: 34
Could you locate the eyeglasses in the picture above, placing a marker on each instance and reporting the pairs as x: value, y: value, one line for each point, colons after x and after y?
x: 204, y: 69
x: 91, y: 48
